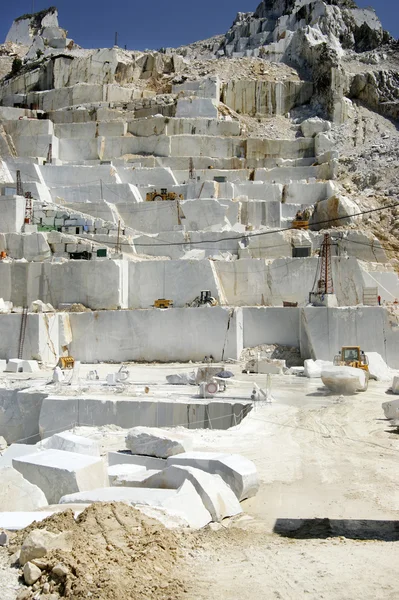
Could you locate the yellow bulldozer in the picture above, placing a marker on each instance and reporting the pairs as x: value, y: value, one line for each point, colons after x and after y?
x: 162, y: 195
x: 353, y: 356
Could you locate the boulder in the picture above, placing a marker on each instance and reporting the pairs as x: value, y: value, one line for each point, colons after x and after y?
x: 344, y: 380
x: 391, y: 409
x: 4, y: 538
x: 313, y: 126
x: 69, y: 442
x: 235, y: 470
x: 58, y: 473
x: 338, y: 210
x: 16, y: 493
x: 217, y: 497
x: 40, y: 542
x: 313, y: 368
x: 184, y: 502
x: 160, y: 443
x: 31, y: 573
x: 41, y: 307
x: 395, y: 385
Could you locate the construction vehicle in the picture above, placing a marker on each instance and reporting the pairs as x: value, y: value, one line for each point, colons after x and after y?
x: 301, y: 220
x: 162, y: 195
x: 162, y: 303
x: 353, y: 356
x: 204, y: 299
x: 66, y: 362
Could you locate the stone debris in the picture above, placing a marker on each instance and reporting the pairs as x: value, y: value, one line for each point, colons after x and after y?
x: 31, y: 573
x: 39, y: 542
x: 344, y: 380
x: 238, y: 472
x: 157, y: 442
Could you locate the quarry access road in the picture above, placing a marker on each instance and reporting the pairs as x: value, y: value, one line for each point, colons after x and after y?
x: 328, y: 468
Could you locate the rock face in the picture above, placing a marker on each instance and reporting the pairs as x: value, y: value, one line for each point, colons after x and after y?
x: 156, y: 442
x: 17, y: 494
x: 337, y: 210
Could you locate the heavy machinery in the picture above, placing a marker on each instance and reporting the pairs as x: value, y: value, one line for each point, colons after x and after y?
x: 301, y: 220
x: 66, y: 362
x: 162, y: 195
x: 204, y: 299
x: 163, y: 303
x: 353, y: 356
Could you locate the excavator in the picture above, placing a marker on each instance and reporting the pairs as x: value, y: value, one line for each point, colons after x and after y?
x: 353, y: 356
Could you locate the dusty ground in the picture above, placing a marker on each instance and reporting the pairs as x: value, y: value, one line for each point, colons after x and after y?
x: 330, y: 462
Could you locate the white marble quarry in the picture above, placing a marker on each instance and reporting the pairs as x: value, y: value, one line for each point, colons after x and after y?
x: 17, y: 493
x: 197, y: 107
x: 235, y: 470
x: 185, y: 501
x: 217, y: 496
x: 57, y: 472
x: 69, y: 442
x: 157, y: 442
x: 63, y: 412
x: 343, y: 380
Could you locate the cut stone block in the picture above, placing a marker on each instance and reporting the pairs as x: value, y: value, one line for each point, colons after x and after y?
x: 123, y: 458
x: 151, y: 441
x: 116, y: 471
x: 218, y: 498
x: 69, y: 442
x: 16, y: 365
x: 17, y: 494
x: 58, y: 473
x: 185, y: 501
x: 343, y: 380
x: 238, y: 472
x: 15, y: 451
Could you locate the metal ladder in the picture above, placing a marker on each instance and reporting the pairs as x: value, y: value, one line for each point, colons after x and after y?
x: 22, y: 332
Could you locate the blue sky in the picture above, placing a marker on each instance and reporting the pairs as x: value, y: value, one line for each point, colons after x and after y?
x: 155, y: 23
